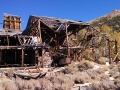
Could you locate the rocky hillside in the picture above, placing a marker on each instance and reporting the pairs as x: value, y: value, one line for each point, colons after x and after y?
x: 112, y: 20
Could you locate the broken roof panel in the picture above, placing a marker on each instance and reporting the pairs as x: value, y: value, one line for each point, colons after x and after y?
x: 9, y: 32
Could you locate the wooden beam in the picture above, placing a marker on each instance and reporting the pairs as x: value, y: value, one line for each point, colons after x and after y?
x: 15, y: 56
x: 67, y: 40
x: 109, y: 52
x: 22, y: 63
x: 116, y: 51
x: 8, y: 40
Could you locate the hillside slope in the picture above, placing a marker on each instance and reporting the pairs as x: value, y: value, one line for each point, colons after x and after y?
x: 112, y: 20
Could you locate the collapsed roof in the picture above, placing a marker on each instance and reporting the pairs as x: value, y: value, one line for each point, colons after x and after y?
x: 52, y: 31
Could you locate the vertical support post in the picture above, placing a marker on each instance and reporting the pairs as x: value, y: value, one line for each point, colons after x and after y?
x: 22, y: 63
x: 8, y: 41
x: 109, y: 51
x: 20, y: 24
x: 0, y: 56
x: 42, y: 58
x: 14, y: 23
x: 116, y: 50
x: 15, y: 56
x: 39, y: 29
x: 36, y: 56
x: 67, y: 41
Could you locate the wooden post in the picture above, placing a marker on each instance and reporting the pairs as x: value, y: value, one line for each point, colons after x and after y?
x: 14, y: 23
x: 22, y: 63
x: 116, y: 50
x: 8, y: 41
x: 43, y: 51
x: 15, y: 56
x: 67, y: 41
x: 0, y: 56
x: 109, y: 51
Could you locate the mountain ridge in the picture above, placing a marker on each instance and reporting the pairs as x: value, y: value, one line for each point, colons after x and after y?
x: 110, y: 15
x: 111, y: 19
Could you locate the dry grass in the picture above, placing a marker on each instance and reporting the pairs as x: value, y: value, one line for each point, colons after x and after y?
x: 85, y: 65
x: 104, y: 77
x: 45, y: 84
x: 104, y: 85
x: 94, y: 75
x: 8, y: 85
x: 1, y: 87
x: 101, y: 70
x: 71, y: 68
x: 10, y: 72
x: 61, y: 82
x: 36, y: 84
x: 114, y: 71
x: 77, y: 73
x: 82, y: 77
x: 117, y: 83
x: 88, y: 54
x: 78, y: 66
x: 24, y: 84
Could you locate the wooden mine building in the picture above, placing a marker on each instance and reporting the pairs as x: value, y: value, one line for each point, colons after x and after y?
x: 42, y: 34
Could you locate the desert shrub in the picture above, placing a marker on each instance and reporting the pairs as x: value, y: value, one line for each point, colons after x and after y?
x: 1, y: 87
x: 117, y: 83
x: 45, y: 84
x: 118, y: 64
x: 114, y: 71
x: 82, y: 77
x: 85, y: 65
x: 9, y: 85
x: 104, y: 85
x: 78, y: 66
x: 24, y: 84
x: 9, y: 72
x: 101, y: 60
x: 20, y: 83
x: 71, y: 68
x: 101, y: 70
x: 111, y: 66
x: 88, y: 55
x: 61, y: 82
x: 65, y: 82
x: 36, y: 84
x: 104, y: 77
x: 95, y: 76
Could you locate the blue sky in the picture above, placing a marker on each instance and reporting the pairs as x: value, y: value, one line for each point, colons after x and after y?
x: 83, y: 10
